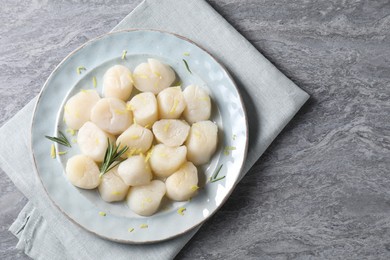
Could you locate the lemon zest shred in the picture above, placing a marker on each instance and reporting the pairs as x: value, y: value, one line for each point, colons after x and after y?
x: 124, y: 52
x: 103, y: 214
x: 181, y: 211
x: 148, y: 156
x: 79, y: 69
x: 130, y: 230
x: 164, y: 155
x: 166, y: 126
x: 94, y: 82
x: 131, y: 152
x: 141, y: 76
x: 129, y: 107
x: 71, y: 131
x: 157, y: 74
x: 155, y: 85
x: 120, y: 112
x: 134, y: 137
x: 77, y: 114
x: 186, y: 54
x: 62, y: 153
x: 175, y: 103
x: 74, y: 140
x: 204, y: 98
x: 194, y: 187
x: 144, y: 226
x: 131, y: 78
x: 116, y: 193
x: 228, y: 149
x: 53, y: 151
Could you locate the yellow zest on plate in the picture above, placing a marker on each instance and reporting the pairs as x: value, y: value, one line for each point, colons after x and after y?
x: 181, y: 211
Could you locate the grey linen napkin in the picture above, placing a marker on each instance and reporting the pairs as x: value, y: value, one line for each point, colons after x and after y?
x: 271, y: 100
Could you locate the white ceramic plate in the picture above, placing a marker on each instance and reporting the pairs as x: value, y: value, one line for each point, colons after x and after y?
x: 83, y: 206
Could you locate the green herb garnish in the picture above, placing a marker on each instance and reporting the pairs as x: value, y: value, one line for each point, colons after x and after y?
x: 124, y: 54
x: 61, y: 139
x: 79, y: 69
x: 112, y: 157
x: 187, y: 67
x: 214, y: 177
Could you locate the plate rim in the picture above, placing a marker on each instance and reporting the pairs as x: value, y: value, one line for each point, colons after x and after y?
x: 218, y: 207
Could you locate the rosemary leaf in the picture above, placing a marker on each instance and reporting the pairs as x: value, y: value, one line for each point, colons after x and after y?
x: 187, y: 67
x: 214, y: 180
x: 112, y: 157
x: 61, y: 139
x: 214, y: 177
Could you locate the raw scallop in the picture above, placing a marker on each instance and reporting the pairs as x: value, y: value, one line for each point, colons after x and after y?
x: 145, y: 200
x: 78, y: 108
x: 82, y: 172
x: 183, y: 184
x: 198, y: 104
x: 117, y: 82
x: 202, y: 142
x: 153, y: 76
x: 111, y: 115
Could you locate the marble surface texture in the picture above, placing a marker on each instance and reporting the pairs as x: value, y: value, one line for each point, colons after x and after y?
x: 322, y: 190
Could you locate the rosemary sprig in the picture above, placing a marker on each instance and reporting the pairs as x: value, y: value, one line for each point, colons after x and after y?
x: 61, y: 139
x: 187, y: 67
x: 112, y: 157
x: 214, y: 178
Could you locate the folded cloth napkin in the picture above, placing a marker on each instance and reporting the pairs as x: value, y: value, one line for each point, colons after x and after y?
x: 271, y: 100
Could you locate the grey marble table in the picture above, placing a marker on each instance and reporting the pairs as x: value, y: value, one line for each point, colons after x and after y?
x: 322, y: 190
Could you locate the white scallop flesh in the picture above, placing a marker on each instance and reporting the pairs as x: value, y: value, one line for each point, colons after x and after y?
x: 138, y: 139
x: 153, y: 76
x: 166, y: 160
x: 183, y: 184
x: 93, y: 142
x: 171, y: 103
x: 144, y: 107
x: 171, y: 132
x: 145, y: 200
x: 135, y: 171
x: 118, y: 82
x: 202, y: 142
x: 198, y: 104
x: 111, y: 115
x: 112, y: 187
x: 82, y: 172
x: 77, y: 109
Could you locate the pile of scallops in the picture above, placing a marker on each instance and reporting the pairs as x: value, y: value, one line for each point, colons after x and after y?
x: 167, y: 131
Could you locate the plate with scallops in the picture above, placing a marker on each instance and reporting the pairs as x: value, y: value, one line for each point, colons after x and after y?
x: 139, y: 136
